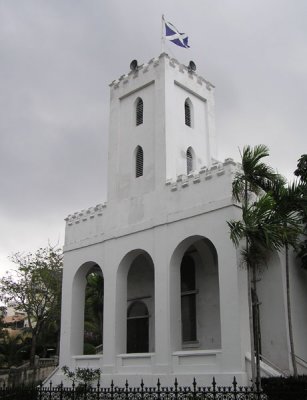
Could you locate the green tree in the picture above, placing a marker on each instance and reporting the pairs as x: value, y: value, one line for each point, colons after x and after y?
x: 290, y: 203
x: 261, y: 230
x: 254, y: 179
x: 93, y: 311
x: 35, y: 288
x: 301, y: 173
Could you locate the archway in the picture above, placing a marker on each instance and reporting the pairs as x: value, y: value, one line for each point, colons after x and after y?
x: 93, y: 312
x: 135, y: 304
x: 87, y: 310
x: 195, y: 298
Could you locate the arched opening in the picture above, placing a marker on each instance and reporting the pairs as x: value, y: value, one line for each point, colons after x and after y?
x: 139, y: 108
x: 139, y: 162
x: 87, y: 310
x: 195, y: 297
x: 140, y: 300
x: 190, y: 160
x: 135, y: 304
x: 188, y: 112
x: 93, y: 312
x: 137, y: 328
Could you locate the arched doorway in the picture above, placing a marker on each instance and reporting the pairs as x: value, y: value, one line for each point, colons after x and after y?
x: 135, y: 289
x: 87, y: 310
x: 195, y: 297
x: 140, y: 305
x: 93, y: 312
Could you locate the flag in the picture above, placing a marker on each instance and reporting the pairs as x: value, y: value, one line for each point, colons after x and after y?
x: 172, y: 34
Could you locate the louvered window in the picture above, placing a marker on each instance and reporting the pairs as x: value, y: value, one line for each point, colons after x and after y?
x: 139, y: 160
x: 189, y: 160
x: 187, y: 112
x: 139, y: 111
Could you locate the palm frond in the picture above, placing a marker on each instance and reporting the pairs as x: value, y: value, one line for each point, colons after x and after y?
x: 236, y: 231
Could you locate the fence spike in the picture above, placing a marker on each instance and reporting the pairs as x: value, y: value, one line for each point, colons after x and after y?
x: 214, y: 384
x: 234, y: 382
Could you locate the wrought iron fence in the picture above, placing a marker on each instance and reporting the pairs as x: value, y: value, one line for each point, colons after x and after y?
x: 158, y: 392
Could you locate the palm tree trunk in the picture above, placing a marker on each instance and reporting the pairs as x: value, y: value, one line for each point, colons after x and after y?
x: 256, y: 327
x: 250, y: 303
x: 289, y: 312
x: 251, y: 325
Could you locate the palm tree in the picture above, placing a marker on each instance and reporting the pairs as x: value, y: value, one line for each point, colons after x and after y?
x: 290, y: 206
x: 301, y: 172
x: 253, y: 179
x: 260, y: 227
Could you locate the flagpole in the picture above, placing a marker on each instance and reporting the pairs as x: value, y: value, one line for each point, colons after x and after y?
x: 162, y: 35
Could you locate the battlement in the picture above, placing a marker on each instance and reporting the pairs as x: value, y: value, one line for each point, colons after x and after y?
x: 153, y: 63
x: 216, y: 170
x: 84, y: 215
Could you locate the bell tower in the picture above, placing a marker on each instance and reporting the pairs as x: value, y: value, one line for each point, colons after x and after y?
x: 161, y: 126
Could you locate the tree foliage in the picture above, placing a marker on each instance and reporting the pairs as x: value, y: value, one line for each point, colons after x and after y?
x: 268, y: 223
x: 82, y: 376
x: 301, y: 173
x: 93, y: 311
x: 272, y: 218
x: 34, y: 287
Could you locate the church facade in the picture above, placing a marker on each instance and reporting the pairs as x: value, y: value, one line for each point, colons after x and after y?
x: 174, y: 293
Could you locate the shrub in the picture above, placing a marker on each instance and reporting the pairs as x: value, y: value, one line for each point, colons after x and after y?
x: 280, y: 388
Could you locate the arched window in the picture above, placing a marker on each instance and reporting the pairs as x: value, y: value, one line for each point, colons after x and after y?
x: 137, y: 328
x: 139, y: 111
x: 188, y: 112
x: 189, y: 161
x: 139, y: 162
x: 188, y: 299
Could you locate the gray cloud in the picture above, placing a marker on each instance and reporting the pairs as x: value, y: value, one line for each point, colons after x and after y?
x: 58, y: 57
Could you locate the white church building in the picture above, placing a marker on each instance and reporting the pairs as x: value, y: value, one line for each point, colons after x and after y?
x: 175, y: 294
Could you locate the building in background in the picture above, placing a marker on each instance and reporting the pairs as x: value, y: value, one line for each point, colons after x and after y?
x: 174, y: 294
x: 14, y: 321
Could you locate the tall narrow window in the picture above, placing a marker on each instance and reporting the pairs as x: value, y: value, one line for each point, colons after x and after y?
x: 187, y: 113
x: 137, y: 328
x: 188, y: 299
x: 139, y: 111
x: 189, y: 160
x: 139, y: 161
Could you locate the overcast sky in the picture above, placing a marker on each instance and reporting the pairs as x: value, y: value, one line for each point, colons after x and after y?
x: 57, y: 58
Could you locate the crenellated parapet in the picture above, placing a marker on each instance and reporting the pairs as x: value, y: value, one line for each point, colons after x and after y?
x: 216, y: 170
x: 85, y: 215
x: 153, y: 63
x: 207, y: 187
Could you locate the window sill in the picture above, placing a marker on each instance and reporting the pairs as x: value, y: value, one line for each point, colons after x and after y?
x: 191, y: 345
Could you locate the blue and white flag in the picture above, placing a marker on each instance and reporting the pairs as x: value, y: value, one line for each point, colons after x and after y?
x: 172, y: 34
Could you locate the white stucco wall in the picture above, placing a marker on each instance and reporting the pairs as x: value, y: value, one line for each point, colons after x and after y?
x: 160, y: 215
